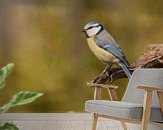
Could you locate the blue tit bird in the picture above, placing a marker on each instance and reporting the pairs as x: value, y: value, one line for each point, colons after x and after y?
x: 104, y: 47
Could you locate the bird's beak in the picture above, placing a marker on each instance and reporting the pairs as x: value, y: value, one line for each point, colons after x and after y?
x: 83, y: 30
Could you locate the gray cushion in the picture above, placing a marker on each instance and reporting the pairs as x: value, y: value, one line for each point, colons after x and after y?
x: 125, y: 110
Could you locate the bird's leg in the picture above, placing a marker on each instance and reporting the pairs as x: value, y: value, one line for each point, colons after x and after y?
x: 104, y: 75
x: 107, y: 70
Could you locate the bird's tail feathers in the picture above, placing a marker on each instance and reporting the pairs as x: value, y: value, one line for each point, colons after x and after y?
x: 125, y: 69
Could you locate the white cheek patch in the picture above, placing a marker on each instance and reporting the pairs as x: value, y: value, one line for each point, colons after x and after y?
x: 88, y: 25
x: 93, y: 31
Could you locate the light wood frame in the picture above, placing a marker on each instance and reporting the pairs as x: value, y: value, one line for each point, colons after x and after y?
x: 146, y: 107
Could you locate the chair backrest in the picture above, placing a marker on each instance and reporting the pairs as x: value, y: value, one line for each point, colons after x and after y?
x: 143, y: 77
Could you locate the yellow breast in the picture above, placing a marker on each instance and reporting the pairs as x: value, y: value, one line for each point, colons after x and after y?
x: 100, y: 53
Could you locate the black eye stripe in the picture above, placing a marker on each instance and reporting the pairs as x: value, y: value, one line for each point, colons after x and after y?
x: 93, y: 27
x: 89, y: 28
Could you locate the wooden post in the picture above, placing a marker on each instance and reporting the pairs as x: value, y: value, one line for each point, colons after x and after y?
x: 97, y: 96
x: 97, y: 93
x: 124, y: 125
x: 94, y: 122
x: 160, y: 98
x: 112, y: 94
x: 146, y: 109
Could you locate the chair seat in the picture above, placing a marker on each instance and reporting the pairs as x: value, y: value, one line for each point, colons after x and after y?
x: 131, y: 111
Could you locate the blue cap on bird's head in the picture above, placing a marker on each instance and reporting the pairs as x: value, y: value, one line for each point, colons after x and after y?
x: 92, y: 29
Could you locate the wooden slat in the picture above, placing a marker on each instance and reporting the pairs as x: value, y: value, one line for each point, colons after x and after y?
x: 101, y: 85
x: 146, y: 109
x: 128, y: 121
x: 156, y: 123
x: 94, y: 122
x: 97, y: 96
x: 124, y: 125
x: 150, y: 88
x: 97, y: 93
x: 112, y: 94
x: 160, y: 98
x: 119, y: 119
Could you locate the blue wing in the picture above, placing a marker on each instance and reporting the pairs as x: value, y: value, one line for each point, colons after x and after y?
x: 112, y: 48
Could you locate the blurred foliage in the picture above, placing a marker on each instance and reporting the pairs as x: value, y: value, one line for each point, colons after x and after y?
x: 8, y: 126
x: 21, y: 98
x: 43, y: 39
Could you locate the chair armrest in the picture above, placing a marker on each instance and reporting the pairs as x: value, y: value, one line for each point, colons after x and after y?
x: 101, y: 85
x: 146, y: 88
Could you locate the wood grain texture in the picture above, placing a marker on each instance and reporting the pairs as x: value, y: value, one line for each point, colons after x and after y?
x: 94, y: 121
x: 146, y: 109
x: 97, y: 93
x: 150, y: 88
x: 160, y: 98
x: 112, y: 94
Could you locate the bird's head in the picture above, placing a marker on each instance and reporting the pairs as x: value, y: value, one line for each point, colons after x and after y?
x: 92, y: 29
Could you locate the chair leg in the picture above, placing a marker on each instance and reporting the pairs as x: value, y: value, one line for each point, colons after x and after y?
x: 160, y: 98
x: 124, y: 125
x: 94, y: 122
x: 146, y: 110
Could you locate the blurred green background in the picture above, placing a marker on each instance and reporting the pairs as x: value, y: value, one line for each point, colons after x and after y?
x: 44, y: 40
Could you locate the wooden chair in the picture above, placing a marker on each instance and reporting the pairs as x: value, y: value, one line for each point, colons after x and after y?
x: 138, y: 105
